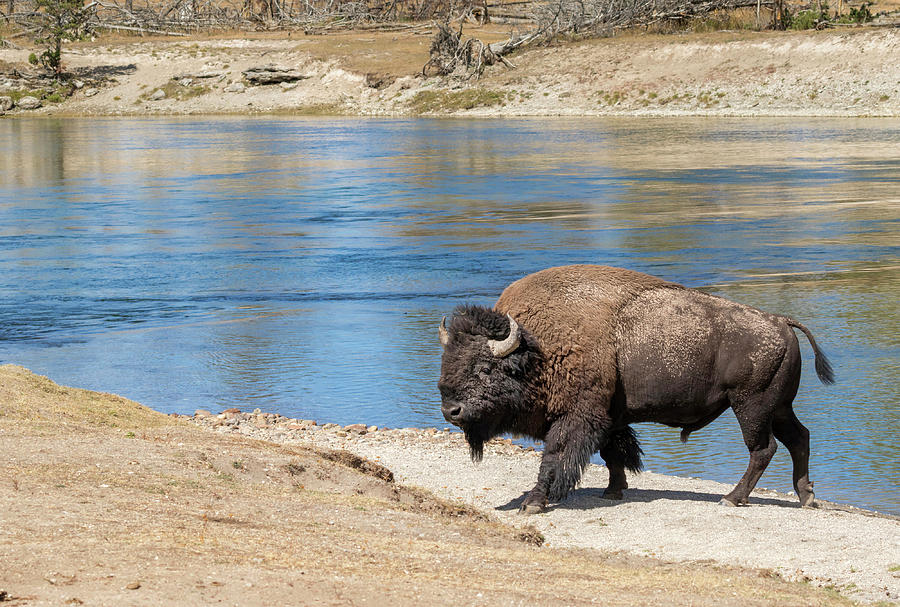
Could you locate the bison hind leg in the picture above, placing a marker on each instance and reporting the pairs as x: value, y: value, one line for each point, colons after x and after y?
x: 622, y: 450
x: 788, y: 429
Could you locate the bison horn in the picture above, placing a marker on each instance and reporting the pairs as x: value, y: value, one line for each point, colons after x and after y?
x: 442, y: 331
x: 505, y: 347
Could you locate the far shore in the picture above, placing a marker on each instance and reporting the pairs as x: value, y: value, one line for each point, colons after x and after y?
x: 843, y: 72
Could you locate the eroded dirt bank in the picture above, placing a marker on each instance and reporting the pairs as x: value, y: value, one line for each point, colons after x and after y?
x: 105, y: 502
x: 843, y: 72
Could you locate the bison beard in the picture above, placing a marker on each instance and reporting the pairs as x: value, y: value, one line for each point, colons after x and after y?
x: 573, y: 355
x: 476, y: 439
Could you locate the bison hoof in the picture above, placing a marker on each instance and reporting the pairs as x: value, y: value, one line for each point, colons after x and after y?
x: 532, y: 505
x: 612, y: 494
x: 727, y: 502
x: 808, y: 501
x: 531, y: 509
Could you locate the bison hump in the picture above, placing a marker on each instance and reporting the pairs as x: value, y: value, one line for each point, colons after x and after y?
x: 571, y: 312
x: 573, y: 303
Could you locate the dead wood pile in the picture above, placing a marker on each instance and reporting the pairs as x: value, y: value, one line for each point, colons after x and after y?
x: 451, y: 53
x: 174, y: 16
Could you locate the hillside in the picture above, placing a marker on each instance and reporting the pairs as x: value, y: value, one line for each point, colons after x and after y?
x: 837, y: 72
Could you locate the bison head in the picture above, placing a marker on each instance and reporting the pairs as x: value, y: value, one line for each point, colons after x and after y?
x: 484, y: 375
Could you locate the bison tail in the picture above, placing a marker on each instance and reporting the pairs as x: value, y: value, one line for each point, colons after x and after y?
x: 623, y: 446
x: 823, y: 365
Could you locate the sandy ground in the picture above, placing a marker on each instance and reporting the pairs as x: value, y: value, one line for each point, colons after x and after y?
x: 671, y: 518
x: 840, y: 72
x: 106, y: 502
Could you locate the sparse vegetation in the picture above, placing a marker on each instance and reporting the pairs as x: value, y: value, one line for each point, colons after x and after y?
x: 613, y: 98
x: 316, y: 109
x: 735, y: 20
x: 173, y: 89
x: 858, y: 15
x: 809, y: 19
x: 819, y: 16
x: 431, y: 102
x: 16, y: 94
x: 55, y: 22
x: 671, y: 98
x: 708, y: 99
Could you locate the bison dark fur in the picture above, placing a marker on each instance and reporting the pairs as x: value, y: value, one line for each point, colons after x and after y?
x: 573, y: 355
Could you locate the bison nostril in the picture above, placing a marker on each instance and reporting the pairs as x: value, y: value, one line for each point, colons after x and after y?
x: 451, y: 412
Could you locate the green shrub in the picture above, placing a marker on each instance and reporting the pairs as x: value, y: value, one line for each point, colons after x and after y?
x: 857, y: 15
x: 808, y: 19
x: 55, y: 22
x: 861, y: 14
x: 17, y: 94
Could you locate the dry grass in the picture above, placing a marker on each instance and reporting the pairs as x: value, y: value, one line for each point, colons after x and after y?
x: 99, y: 494
x: 442, y: 102
x: 27, y: 397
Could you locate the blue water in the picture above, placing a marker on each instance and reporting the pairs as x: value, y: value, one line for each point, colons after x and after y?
x: 302, y: 265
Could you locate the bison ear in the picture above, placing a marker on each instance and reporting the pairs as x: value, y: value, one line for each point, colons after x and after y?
x: 443, y: 333
x: 500, y: 349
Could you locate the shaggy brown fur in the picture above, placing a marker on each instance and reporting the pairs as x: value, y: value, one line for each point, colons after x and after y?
x: 571, y: 311
x: 601, y: 348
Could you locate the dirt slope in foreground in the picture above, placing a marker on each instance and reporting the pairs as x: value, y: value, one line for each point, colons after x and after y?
x: 105, y: 502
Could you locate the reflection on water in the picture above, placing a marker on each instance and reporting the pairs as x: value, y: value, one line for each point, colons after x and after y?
x: 302, y: 266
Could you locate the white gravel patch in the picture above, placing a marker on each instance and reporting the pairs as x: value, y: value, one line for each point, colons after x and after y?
x: 671, y: 518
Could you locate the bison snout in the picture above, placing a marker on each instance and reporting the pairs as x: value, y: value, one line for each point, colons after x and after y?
x: 452, y: 412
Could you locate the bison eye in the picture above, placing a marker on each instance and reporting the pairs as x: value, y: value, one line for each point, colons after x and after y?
x: 485, y: 370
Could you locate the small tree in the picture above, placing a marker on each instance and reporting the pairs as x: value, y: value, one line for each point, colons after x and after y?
x: 57, y: 21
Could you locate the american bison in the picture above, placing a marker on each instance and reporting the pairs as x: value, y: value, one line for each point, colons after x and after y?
x: 573, y: 355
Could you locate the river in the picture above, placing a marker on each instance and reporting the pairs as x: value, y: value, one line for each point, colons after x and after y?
x: 301, y: 266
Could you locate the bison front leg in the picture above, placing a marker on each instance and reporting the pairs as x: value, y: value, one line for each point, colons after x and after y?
x: 621, y: 451
x: 536, y: 500
x: 568, y: 447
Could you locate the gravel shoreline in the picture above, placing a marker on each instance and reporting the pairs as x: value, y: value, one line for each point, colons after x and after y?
x: 855, y: 551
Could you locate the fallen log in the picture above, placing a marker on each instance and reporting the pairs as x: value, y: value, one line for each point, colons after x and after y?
x: 142, y: 30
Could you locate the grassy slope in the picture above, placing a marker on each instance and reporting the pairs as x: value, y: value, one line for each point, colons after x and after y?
x: 99, y: 495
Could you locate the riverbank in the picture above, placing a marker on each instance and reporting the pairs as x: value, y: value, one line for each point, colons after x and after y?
x: 107, y: 502
x: 672, y: 518
x: 839, y: 72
